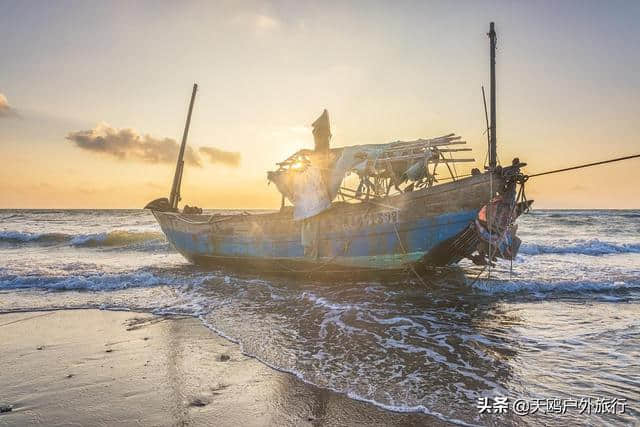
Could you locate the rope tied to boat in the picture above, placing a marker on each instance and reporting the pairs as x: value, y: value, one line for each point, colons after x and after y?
x: 522, y: 179
x: 409, y: 264
x: 617, y: 159
x: 520, y: 197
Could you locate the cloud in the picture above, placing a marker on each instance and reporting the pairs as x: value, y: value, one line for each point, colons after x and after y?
x: 216, y: 155
x: 6, y: 110
x: 128, y: 144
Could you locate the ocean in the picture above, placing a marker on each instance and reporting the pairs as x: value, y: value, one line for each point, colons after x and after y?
x: 556, y: 332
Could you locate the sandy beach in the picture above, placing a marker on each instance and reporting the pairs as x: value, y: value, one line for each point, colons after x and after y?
x: 94, y: 367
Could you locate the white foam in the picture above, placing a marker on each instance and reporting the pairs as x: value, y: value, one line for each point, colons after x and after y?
x: 584, y: 247
x: 323, y: 302
x: 395, y: 408
x: 107, y: 238
x: 28, y: 236
x: 83, y: 239
x: 93, y: 282
x: 494, y: 287
x: 19, y: 236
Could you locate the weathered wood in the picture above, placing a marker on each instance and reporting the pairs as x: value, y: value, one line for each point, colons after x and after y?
x: 393, y: 176
x: 374, y: 223
x: 416, y: 156
x: 492, y: 62
x: 453, y: 150
x: 451, y: 136
x: 174, y: 197
x: 453, y: 177
x: 424, y: 144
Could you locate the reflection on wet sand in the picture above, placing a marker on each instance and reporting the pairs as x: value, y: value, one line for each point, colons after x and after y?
x: 91, y: 366
x: 232, y: 388
x: 433, y: 350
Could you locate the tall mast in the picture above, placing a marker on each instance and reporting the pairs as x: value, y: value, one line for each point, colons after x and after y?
x: 492, y: 128
x: 177, y: 178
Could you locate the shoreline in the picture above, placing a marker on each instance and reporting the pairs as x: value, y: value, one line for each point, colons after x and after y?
x: 92, y: 366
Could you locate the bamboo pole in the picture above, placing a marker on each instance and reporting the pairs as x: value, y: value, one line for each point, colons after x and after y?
x: 177, y: 178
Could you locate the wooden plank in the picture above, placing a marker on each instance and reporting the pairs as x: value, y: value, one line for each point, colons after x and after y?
x: 453, y: 177
x: 423, y: 141
x: 415, y: 156
x: 420, y: 145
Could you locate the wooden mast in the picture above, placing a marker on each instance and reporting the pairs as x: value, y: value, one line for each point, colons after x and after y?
x: 177, y: 178
x: 492, y: 128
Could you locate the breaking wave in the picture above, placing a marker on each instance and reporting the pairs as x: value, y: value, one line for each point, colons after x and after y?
x: 25, y: 237
x: 589, y: 247
x: 501, y: 287
x: 114, y: 238
x: 103, y: 282
x: 93, y: 282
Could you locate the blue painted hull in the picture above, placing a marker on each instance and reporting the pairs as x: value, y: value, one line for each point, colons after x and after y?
x: 387, y: 235
x: 381, y: 246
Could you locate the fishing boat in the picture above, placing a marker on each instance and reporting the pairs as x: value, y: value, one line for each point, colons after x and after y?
x: 377, y: 208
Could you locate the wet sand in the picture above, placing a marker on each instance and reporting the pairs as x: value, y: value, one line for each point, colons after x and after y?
x: 93, y: 367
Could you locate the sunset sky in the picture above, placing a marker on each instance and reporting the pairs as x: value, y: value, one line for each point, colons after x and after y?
x: 75, y: 74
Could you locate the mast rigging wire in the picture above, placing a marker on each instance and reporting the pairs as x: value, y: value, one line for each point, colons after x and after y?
x: 585, y: 165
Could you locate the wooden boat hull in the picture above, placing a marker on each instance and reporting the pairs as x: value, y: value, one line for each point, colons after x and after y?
x: 382, y: 235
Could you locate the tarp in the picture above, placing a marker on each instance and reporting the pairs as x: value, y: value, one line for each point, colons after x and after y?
x: 312, y: 187
x: 349, y: 159
x: 305, y: 186
x: 310, y: 196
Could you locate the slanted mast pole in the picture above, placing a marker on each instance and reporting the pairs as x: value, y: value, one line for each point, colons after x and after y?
x: 177, y: 178
x: 492, y: 128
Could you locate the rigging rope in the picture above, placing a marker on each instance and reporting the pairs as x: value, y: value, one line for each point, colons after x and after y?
x: 410, y: 263
x: 519, y: 197
x: 489, y: 217
x: 585, y: 166
x: 522, y: 197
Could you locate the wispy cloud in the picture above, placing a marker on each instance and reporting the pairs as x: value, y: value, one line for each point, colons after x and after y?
x: 128, y: 144
x: 215, y: 155
x: 6, y: 110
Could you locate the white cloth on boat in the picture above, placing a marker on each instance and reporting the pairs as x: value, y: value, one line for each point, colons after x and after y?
x: 305, y: 185
x: 309, y: 237
x: 352, y: 157
x: 310, y: 195
x: 312, y: 187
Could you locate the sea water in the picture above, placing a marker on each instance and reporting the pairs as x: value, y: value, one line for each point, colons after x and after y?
x: 561, y: 324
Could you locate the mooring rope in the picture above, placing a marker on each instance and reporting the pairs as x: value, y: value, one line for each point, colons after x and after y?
x: 409, y: 264
x: 489, y: 217
x: 519, y: 196
x: 522, y: 197
x: 586, y: 165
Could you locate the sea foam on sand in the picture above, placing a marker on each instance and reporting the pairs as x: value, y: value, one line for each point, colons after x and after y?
x: 91, y: 367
